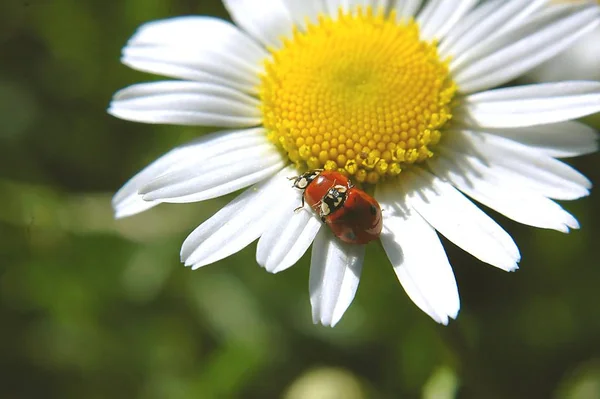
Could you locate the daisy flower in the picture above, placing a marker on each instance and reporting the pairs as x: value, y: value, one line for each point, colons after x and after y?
x: 399, y: 96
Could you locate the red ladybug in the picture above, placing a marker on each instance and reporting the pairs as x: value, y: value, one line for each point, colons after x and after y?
x: 316, y: 183
x: 358, y: 219
x: 352, y: 215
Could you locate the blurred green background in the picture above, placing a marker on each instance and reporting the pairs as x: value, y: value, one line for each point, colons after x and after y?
x: 91, y: 307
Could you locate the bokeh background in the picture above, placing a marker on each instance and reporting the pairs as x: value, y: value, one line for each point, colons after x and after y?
x: 91, y: 307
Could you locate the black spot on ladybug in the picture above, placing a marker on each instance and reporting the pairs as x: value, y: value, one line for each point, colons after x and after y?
x: 350, y: 236
x: 373, y: 209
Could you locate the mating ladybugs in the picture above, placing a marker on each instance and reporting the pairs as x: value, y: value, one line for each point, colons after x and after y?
x: 352, y: 215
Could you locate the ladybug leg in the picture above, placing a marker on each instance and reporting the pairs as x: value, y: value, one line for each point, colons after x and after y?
x: 294, y: 178
x: 317, y: 208
x: 301, y: 206
x: 320, y: 213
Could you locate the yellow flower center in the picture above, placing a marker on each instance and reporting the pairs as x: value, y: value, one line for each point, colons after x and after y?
x: 359, y: 93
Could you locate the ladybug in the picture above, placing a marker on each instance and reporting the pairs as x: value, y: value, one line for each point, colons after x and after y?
x: 352, y: 215
x: 357, y: 219
x: 316, y: 184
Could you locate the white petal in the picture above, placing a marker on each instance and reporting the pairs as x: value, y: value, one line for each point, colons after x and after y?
x: 127, y: 200
x: 301, y: 10
x: 131, y: 206
x: 439, y: 16
x: 199, y: 66
x: 334, y: 6
x: 459, y: 220
x: 196, y: 48
x: 498, y: 158
x: 376, y: 5
x: 522, y: 50
x: 518, y: 203
x: 185, y: 103
x: 239, y: 223
x: 288, y: 237
x: 268, y: 23
x: 418, y: 257
x: 484, y: 22
x: 583, y: 58
x: 559, y: 140
x: 195, y: 31
x: 512, y: 31
x: 470, y: 25
x: 530, y: 105
x: 215, y: 176
x: 533, y: 12
x: 406, y: 9
x: 335, y: 269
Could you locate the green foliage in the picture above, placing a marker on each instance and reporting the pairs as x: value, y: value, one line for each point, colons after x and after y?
x: 91, y: 307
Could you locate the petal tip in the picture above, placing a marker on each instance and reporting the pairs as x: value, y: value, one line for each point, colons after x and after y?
x: 120, y: 214
x: 454, y: 314
x: 315, y: 319
x: 563, y: 228
x: 148, y: 195
x: 323, y: 320
x: 573, y: 224
x: 184, y: 256
x: 274, y: 269
x: 327, y: 323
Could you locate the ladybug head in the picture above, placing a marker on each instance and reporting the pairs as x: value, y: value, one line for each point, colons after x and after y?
x: 333, y: 200
x: 302, y: 181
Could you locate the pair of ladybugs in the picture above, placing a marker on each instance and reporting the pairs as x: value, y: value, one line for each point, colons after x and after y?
x: 352, y: 215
